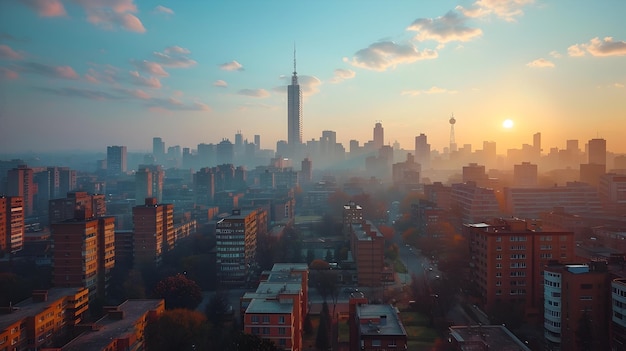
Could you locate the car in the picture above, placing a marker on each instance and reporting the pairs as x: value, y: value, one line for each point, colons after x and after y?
x: 430, y: 268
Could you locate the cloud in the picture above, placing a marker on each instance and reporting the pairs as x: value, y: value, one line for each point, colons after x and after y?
x: 540, y: 63
x: 150, y: 82
x: 7, y: 74
x: 606, y: 47
x: 174, y: 56
x: 62, y: 72
x: 309, y: 85
x: 82, y: 93
x: 432, y: 90
x: 555, y: 54
x: 220, y: 83
x: 133, y: 93
x: 6, y: 53
x: 150, y: 67
x: 257, y: 93
x: 46, y: 8
x: 618, y: 85
x: 110, y: 14
x: 341, y: 74
x: 450, y: 27
x: 505, y: 9
x: 102, y: 73
x: 385, y: 54
x: 173, y: 104
x: 231, y: 66
x: 575, y: 51
x: 108, y: 20
x: 163, y: 10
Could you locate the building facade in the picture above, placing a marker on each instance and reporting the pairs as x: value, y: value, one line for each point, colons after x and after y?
x: 153, y: 226
x: 11, y: 223
x: 236, y: 237
x: 507, y: 262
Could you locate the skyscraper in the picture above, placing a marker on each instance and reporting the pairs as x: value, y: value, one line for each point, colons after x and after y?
x: 597, y: 151
x: 158, y: 149
x: 149, y: 183
x: 11, y: 223
x: 422, y: 150
x: 116, y: 160
x: 379, y: 135
x: 294, y: 109
x: 154, y: 231
x: 20, y: 182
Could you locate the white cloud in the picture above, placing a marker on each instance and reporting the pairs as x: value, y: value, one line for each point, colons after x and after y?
x: 341, y: 74
x: 540, y: 63
x: 575, y: 51
x: 163, y: 10
x: 220, y: 83
x: 231, y: 66
x: 150, y: 82
x: 606, y: 47
x: 386, y: 54
x: 257, y: 93
x: 450, y: 27
x: 505, y: 9
x: 555, y: 54
x: 174, y: 56
x: 150, y: 67
x: 111, y: 14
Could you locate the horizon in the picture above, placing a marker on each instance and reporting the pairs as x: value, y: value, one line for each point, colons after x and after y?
x: 85, y: 75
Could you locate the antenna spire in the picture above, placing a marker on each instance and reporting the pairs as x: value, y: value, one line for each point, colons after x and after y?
x: 294, y: 58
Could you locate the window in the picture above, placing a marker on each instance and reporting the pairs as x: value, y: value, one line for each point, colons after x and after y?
x: 281, y: 319
x: 281, y: 331
x: 266, y: 330
x: 376, y: 343
x: 392, y: 343
x: 255, y: 319
x: 266, y: 319
x: 282, y: 342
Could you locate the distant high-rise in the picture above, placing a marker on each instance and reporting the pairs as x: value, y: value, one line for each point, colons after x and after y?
x: 379, y: 135
x: 20, y: 182
x: 422, y: 150
x: 452, y: 122
x: 225, y: 151
x: 294, y: 109
x: 537, y: 143
x: 257, y: 142
x: 149, y: 183
x: 597, y: 151
x: 154, y: 231
x: 116, y: 160
x: 158, y: 149
x: 307, y: 171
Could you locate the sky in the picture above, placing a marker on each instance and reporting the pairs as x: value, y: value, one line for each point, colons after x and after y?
x: 84, y: 74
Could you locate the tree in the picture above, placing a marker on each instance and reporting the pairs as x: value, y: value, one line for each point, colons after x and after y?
x: 178, y: 329
x: 322, y: 340
x: 178, y: 292
x: 239, y: 341
x: 216, y: 309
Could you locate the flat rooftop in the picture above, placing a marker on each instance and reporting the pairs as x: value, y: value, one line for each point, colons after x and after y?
x: 111, y: 328
x: 29, y: 307
x: 386, y: 321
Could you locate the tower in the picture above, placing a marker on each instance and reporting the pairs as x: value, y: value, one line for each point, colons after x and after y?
x: 379, y: 135
x: 452, y: 138
x: 116, y: 160
x: 597, y: 151
x: 294, y: 109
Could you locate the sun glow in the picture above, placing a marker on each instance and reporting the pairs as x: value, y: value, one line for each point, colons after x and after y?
x: 507, y: 124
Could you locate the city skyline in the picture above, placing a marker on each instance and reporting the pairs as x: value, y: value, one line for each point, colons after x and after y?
x: 120, y: 72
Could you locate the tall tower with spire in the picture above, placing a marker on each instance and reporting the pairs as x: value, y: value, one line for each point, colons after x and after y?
x: 294, y: 109
x: 452, y: 138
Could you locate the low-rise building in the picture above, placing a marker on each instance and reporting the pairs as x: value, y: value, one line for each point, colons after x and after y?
x: 376, y: 327
x: 37, y: 322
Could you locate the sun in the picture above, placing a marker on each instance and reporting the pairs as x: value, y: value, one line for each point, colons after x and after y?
x: 508, y: 124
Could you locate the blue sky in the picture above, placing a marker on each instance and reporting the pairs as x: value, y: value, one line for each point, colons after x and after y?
x: 84, y: 74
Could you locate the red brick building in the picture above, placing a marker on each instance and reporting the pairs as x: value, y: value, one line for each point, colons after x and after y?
x: 11, y: 223
x: 508, y: 257
x: 153, y: 231
x: 36, y: 322
x: 376, y: 327
x: 84, y: 253
x: 368, y: 245
x: 576, y: 301
x: 276, y: 310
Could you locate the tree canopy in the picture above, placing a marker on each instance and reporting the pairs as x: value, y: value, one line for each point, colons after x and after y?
x: 178, y: 292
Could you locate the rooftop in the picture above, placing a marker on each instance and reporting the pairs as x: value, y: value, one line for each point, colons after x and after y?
x: 260, y: 305
x: 379, y: 320
x: 29, y: 307
x: 112, y: 328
